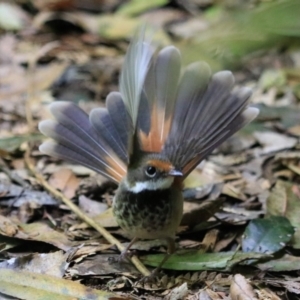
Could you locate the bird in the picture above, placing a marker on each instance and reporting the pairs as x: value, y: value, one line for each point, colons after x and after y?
x: 151, y: 135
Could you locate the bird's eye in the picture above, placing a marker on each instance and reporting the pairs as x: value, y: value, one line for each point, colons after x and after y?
x: 151, y: 171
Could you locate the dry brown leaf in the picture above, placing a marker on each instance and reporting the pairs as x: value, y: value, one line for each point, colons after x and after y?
x: 295, y: 130
x: 235, y: 189
x: 82, y: 251
x: 53, y: 264
x: 101, y: 264
x: 224, y: 242
x: 266, y: 294
x: 106, y: 219
x: 215, y: 296
x: 7, y: 227
x: 207, y: 173
x: 35, y: 232
x: 17, y: 83
x: 91, y: 207
x: 272, y: 141
x: 195, y: 213
x: 209, y: 240
x: 65, y: 181
x: 292, y: 284
x: 240, y: 289
x: 178, y: 292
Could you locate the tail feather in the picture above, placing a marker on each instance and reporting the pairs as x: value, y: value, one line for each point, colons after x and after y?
x: 191, y: 87
x: 160, y: 90
x: 60, y: 151
x: 239, y: 122
x: 214, y: 100
x: 235, y: 104
x: 101, y: 121
x: 207, y: 115
x: 73, y: 131
x: 65, y: 136
x: 168, y: 65
x: 134, y: 71
x: 74, y: 119
x: 120, y: 118
x: 113, y: 124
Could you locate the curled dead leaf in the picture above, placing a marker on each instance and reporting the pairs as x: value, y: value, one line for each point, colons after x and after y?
x: 240, y: 289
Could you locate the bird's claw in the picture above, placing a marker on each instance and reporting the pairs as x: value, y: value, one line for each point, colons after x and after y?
x: 125, y: 256
x: 150, y: 278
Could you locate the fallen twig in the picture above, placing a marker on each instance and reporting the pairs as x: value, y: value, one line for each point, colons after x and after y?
x: 111, y: 239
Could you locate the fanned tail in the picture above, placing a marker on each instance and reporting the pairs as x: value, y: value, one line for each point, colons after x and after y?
x: 183, y: 118
x: 207, y: 113
x: 76, y: 140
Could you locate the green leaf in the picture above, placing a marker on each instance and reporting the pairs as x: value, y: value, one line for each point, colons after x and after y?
x: 286, y: 13
x: 199, y: 261
x: 117, y: 26
x: 241, y: 31
x: 288, y: 115
x: 11, y: 144
x: 284, y: 201
x: 267, y: 235
x: 273, y: 78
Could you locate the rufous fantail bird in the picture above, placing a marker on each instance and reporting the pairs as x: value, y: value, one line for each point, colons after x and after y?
x: 151, y: 135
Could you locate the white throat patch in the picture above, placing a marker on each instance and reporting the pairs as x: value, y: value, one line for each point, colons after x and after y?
x: 160, y: 184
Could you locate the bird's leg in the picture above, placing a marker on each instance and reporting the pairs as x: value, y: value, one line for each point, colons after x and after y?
x: 170, y: 250
x: 124, y: 254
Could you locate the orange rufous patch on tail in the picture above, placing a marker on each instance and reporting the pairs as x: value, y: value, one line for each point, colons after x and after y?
x: 116, y: 169
x: 159, y: 130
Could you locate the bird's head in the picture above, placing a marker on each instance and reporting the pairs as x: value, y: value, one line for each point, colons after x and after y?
x: 151, y: 172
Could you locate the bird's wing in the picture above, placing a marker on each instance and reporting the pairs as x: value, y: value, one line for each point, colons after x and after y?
x: 207, y: 112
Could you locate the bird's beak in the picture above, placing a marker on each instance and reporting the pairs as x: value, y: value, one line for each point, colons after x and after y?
x: 174, y: 172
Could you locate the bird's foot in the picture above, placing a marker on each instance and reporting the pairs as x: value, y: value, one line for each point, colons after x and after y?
x: 152, y: 278
x: 125, y: 255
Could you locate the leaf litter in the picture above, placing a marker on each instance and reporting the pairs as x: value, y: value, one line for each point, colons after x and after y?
x: 240, y: 233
